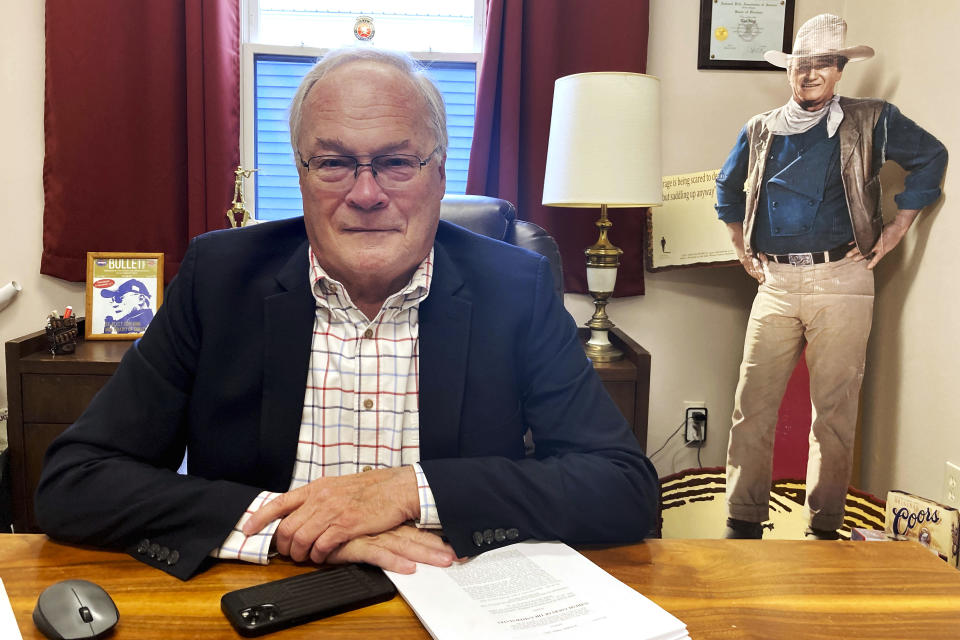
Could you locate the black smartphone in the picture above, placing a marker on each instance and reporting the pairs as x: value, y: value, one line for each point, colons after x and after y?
x: 276, y: 605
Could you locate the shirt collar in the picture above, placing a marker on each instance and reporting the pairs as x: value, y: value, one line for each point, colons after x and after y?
x: 330, y: 293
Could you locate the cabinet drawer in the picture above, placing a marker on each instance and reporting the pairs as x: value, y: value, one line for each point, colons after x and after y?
x: 37, y: 437
x: 57, y: 398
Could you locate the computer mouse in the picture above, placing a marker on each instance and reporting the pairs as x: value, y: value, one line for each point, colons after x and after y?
x: 74, y: 609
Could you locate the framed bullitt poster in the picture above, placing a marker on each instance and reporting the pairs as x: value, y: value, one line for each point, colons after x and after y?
x: 124, y: 291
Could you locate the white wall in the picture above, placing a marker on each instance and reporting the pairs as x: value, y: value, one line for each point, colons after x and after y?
x: 21, y: 180
x: 692, y: 321
x: 910, y: 411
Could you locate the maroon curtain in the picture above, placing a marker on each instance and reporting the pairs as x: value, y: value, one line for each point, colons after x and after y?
x: 142, y: 122
x: 529, y: 44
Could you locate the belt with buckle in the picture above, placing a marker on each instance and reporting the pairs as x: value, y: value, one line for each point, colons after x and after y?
x: 815, y: 257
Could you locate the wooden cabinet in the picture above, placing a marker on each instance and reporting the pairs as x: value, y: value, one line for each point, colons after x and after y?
x: 627, y: 380
x: 47, y: 393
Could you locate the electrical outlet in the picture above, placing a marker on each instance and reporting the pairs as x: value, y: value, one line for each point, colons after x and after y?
x: 695, y: 423
x: 951, y: 485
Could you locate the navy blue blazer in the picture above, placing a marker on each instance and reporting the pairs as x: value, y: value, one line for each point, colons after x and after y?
x: 221, y: 372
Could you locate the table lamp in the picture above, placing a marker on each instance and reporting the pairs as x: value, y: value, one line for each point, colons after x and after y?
x: 604, y: 151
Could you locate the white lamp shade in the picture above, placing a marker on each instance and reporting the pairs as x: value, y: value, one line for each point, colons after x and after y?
x: 604, y: 143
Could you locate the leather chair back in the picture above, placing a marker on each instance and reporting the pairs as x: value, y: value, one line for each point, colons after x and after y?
x: 497, y: 219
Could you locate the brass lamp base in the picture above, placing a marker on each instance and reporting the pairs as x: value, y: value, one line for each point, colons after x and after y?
x: 603, y: 259
x: 598, y: 347
x: 602, y: 353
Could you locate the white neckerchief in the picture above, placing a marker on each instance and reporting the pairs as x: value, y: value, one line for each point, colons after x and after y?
x: 792, y: 118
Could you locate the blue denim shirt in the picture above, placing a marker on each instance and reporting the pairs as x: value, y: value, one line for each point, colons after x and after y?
x: 802, y: 206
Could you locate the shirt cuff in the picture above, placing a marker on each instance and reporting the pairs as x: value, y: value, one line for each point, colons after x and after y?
x: 916, y: 199
x: 255, y: 548
x: 733, y: 212
x: 429, y: 518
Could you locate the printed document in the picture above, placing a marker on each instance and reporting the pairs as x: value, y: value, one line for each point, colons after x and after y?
x: 8, y: 623
x: 532, y: 590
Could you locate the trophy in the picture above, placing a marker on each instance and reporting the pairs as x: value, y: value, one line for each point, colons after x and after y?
x: 237, y: 214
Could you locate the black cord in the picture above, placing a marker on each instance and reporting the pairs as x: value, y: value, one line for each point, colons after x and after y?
x: 675, y: 432
x: 699, y: 464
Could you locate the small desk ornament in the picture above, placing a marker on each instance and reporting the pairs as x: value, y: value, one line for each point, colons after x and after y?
x: 62, y: 332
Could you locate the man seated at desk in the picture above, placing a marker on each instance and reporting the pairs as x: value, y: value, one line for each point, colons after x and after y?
x: 348, y: 381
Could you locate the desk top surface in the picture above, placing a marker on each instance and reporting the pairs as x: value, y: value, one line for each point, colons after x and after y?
x: 722, y: 589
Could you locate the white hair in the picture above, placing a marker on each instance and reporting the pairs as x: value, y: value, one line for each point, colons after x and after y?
x: 436, y: 115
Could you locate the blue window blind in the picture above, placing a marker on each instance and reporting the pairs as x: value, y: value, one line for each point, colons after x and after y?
x: 276, y: 79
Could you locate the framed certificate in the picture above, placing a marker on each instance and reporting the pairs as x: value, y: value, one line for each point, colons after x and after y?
x: 735, y: 33
x: 124, y: 291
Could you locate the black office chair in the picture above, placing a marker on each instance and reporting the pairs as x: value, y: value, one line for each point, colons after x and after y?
x: 496, y: 218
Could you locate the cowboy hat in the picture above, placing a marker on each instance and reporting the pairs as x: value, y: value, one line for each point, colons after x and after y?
x: 821, y: 35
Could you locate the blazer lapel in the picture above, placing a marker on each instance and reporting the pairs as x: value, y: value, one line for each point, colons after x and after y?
x: 444, y: 340
x: 288, y: 330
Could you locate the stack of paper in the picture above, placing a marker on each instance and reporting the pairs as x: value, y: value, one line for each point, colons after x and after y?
x: 8, y: 623
x: 532, y: 590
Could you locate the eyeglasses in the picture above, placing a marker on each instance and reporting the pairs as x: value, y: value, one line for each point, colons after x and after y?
x: 391, y: 171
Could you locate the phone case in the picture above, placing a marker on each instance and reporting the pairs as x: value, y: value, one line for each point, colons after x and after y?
x: 284, y: 603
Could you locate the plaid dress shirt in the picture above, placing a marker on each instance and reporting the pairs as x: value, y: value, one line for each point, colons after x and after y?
x: 361, y: 404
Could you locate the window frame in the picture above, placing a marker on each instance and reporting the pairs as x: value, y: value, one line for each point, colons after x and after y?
x: 249, y: 49
x: 250, y: 22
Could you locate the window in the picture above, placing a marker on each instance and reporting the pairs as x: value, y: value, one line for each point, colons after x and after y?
x: 276, y: 77
x: 286, y: 37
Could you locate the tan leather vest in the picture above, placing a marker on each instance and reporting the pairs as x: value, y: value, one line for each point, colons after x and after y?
x: 858, y: 169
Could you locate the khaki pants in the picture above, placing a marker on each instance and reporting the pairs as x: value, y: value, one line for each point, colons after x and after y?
x: 831, y: 307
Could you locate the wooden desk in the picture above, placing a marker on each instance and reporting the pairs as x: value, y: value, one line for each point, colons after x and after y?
x: 722, y: 589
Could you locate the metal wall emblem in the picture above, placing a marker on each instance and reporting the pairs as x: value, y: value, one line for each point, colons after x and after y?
x: 363, y: 28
